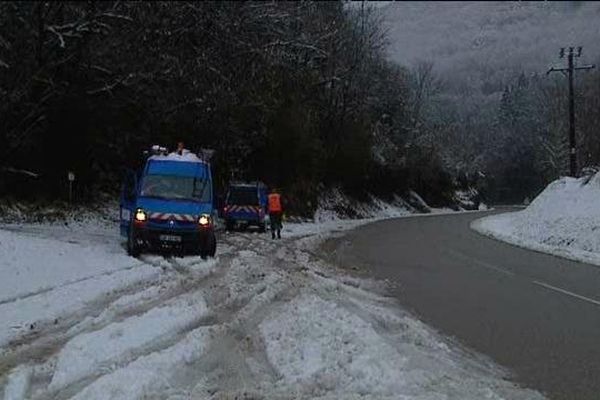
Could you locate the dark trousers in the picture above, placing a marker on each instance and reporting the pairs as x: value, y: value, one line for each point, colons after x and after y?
x: 275, y: 224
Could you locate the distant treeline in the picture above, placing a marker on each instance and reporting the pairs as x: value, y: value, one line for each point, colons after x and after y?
x: 515, y: 138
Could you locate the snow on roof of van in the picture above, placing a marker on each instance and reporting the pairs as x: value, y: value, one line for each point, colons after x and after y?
x: 243, y: 185
x: 253, y: 183
x: 187, y: 156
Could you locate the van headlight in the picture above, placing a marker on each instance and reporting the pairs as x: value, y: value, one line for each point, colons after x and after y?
x: 204, y: 220
x: 140, y: 215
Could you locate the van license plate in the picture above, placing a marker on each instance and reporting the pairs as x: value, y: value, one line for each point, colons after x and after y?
x: 170, y: 238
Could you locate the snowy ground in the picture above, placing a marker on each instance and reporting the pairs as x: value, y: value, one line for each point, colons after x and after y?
x: 265, y: 319
x: 564, y: 220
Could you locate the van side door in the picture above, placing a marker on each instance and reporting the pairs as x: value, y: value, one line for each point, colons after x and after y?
x: 128, y: 200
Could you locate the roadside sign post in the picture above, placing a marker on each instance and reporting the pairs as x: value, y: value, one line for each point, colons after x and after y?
x: 71, y: 178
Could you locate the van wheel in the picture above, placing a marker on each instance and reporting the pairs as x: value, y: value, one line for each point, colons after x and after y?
x: 213, y: 247
x: 262, y: 228
x: 209, y: 248
x: 133, y: 249
x: 229, y: 224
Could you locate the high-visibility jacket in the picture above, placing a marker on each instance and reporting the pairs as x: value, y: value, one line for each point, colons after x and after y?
x: 275, y: 203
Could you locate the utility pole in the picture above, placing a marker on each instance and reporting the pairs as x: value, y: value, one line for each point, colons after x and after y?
x: 570, y: 70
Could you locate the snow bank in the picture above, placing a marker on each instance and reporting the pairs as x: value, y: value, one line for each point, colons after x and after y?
x: 324, y: 348
x: 104, y: 214
x: 29, y: 265
x: 337, y: 212
x: 315, y: 342
x: 469, y: 199
x: 334, y: 205
x: 564, y: 220
x: 327, y: 222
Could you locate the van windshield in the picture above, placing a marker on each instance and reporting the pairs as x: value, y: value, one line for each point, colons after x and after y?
x: 243, y: 196
x: 176, y: 187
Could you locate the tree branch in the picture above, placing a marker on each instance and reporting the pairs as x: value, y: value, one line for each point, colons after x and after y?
x: 61, y: 39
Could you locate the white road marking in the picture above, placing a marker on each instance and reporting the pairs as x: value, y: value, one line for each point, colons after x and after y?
x: 481, y: 263
x: 510, y: 273
x: 563, y: 291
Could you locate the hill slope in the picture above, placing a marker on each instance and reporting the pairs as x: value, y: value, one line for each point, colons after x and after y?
x: 476, y: 39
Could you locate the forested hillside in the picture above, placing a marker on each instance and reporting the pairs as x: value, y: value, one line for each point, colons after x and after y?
x: 302, y: 95
x: 297, y: 94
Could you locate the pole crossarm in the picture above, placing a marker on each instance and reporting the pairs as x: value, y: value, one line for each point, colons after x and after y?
x: 562, y: 70
x: 586, y: 67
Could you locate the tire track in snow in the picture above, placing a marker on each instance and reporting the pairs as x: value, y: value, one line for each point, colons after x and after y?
x: 67, y: 284
x: 49, y: 337
x: 247, y: 285
x: 46, y: 341
x: 43, y: 345
x: 123, y: 342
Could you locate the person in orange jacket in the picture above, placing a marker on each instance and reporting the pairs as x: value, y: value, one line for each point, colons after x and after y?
x: 275, y: 213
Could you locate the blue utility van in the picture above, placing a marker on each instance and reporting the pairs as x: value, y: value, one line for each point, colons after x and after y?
x: 168, y: 205
x: 246, y: 204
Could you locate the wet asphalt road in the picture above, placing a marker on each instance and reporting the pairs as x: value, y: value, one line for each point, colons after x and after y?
x: 535, y: 314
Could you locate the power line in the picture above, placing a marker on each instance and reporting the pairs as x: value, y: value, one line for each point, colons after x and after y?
x: 570, y: 70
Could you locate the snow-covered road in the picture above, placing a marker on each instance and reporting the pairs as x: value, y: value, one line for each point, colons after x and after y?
x: 265, y: 319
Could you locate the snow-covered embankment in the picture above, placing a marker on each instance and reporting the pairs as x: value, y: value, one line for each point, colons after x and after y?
x: 564, y: 220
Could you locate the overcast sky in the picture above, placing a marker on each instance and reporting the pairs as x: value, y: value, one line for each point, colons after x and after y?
x: 458, y: 35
